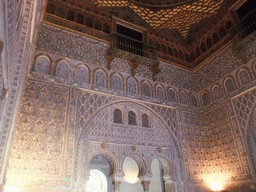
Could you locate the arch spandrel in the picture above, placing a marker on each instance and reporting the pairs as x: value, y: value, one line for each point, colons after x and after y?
x: 100, y: 128
x: 104, y: 117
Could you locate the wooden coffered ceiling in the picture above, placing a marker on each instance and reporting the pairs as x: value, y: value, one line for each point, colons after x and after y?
x: 177, y: 15
x: 185, y: 32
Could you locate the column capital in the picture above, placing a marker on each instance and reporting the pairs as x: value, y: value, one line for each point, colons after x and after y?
x: 167, y: 178
x: 145, y: 184
x: 117, y: 184
x: 116, y: 180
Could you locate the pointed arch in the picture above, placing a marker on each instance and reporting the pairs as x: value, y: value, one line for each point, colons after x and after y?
x: 243, y: 76
x: 172, y: 95
x: 216, y: 92
x: 42, y: 63
x: 116, y: 81
x: 160, y: 92
x: 60, y: 12
x: 205, y: 98
x: 70, y: 15
x: 146, y: 88
x: 62, y: 68
x: 100, y: 77
x: 183, y: 97
x: 118, y: 115
x: 194, y: 100
x: 82, y: 73
x: 132, y: 118
x: 51, y: 8
x: 80, y: 18
x: 132, y: 85
x: 229, y: 84
x: 145, y: 119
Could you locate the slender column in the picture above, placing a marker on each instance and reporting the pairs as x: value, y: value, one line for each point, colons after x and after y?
x: 169, y: 184
x: 116, y: 186
x: 116, y: 180
x: 145, y: 185
x: 145, y: 181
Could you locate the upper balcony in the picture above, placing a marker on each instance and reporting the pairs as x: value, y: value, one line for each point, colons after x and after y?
x: 152, y: 47
x: 135, y: 51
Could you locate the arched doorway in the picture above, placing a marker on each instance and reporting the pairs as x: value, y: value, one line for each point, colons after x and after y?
x: 100, y: 175
x: 157, y: 180
x: 161, y: 175
x: 120, y: 141
x: 97, y: 182
x: 131, y: 180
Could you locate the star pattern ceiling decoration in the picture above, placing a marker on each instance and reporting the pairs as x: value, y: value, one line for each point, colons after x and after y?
x: 179, y: 17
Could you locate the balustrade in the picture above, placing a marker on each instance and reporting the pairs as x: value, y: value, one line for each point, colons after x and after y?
x: 133, y: 46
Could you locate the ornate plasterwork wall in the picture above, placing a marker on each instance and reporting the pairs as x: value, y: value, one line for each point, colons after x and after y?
x: 19, y: 22
x: 214, y: 148
x: 43, y: 143
x: 244, y: 108
x: 44, y: 139
x: 90, y: 51
x: 84, y: 118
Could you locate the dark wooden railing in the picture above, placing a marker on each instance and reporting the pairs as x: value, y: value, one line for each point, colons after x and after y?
x: 133, y: 46
x: 246, y: 26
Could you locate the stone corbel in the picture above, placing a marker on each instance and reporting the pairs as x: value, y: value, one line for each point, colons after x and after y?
x: 155, y: 70
x: 109, y: 57
x: 145, y: 181
x: 134, y: 65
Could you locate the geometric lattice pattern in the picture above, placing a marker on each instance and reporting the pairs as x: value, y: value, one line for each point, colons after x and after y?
x: 169, y: 115
x: 38, y: 143
x: 251, y: 137
x: 89, y: 103
x: 243, y: 105
x: 100, y: 127
x: 211, y: 147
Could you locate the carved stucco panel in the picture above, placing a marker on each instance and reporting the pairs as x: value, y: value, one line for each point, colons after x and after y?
x: 37, y: 150
x: 211, y: 145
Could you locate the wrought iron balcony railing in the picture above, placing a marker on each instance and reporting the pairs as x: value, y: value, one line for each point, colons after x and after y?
x: 133, y: 46
x: 136, y: 52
